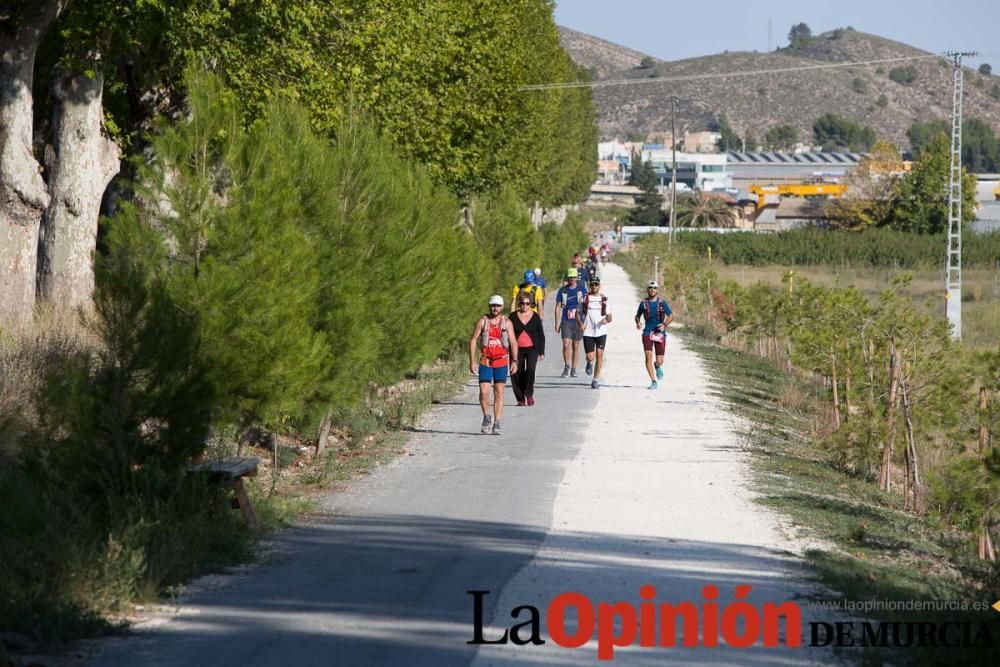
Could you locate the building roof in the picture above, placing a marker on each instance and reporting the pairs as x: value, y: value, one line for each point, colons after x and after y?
x: 784, y: 158
x: 802, y: 207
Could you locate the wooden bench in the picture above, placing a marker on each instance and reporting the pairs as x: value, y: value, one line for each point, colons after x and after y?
x: 231, y: 472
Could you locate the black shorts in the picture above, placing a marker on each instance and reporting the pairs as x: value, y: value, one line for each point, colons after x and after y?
x: 591, y: 342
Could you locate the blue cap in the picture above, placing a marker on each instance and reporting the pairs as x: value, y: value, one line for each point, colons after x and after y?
x: 529, y: 276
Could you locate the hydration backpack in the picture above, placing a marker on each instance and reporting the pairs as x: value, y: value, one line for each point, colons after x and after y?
x: 661, y: 311
x: 484, y: 337
x: 604, y: 305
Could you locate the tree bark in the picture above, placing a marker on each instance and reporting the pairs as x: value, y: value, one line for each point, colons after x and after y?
x: 983, y: 423
x: 885, y: 474
x: 82, y: 162
x: 23, y: 195
x: 836, y: 396
x: 912, y: 491
x: 324, y: 433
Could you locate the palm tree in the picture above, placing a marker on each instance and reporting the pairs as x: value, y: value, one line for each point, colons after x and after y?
x: 701, y: 209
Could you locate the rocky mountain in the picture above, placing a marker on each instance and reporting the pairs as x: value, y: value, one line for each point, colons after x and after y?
x: 918, y: 90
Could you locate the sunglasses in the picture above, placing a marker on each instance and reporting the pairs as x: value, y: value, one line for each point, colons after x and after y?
x: 525, y: 303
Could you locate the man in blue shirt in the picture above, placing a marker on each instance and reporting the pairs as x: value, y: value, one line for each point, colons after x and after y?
x: 658, y: 315
x: 569, y: 299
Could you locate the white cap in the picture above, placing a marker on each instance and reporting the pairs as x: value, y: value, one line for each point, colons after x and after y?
x: 652, y: 283
x: 538, y: 271
x: 496, y: 300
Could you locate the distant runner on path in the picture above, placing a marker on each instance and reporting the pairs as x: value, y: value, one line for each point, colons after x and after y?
x: 658, y: 315
x: 595, y: 316
x: 494, y: 344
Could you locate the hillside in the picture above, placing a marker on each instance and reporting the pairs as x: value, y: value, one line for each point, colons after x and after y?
x: 756, y: 103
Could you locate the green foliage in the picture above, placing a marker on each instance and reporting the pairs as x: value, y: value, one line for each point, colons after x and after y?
x: 799, y: 35
x: 985, y: 69
x: 647, y: 62
x: 903, y: 75
x: 810, y: 247
x: 995, y: 92
x: 234, y: 258
x: 560, y: 242
x: 699, y: 209
x: 921, y: 134
x: 502, y: 228
x: 441, y: 78
x: 980, y: 149
x: 923, y: 192
x: 835, y: 132
x: 873, y: 190
x: 648, y: 210
x: 859, y: 85
x: 729, y: 140
x: 781, y: 137
x: 882, y: 101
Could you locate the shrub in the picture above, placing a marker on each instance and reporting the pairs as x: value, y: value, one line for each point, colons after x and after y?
x: 903, y: 75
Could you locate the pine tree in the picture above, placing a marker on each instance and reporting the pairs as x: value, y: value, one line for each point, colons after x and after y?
x: 648, y: 210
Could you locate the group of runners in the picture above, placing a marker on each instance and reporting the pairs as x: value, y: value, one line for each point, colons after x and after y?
x: 511, y: 344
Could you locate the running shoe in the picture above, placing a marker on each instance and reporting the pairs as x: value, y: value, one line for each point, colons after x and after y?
x: 652, y: 385
x: 595, y: 384
x: 590, y: 367
x: 659, y: 373
x: 565, y: 372
x: 496, y: 429
x: 520, y: 404
x: 531, y: 400
x: 572, y: 373
x: 487, y: 421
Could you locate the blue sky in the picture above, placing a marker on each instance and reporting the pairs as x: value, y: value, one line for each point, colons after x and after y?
x: 671, y: 30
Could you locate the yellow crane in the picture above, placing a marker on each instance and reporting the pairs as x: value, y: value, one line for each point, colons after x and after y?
x: 796, y: 190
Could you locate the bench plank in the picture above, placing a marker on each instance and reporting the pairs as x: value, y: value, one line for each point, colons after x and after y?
x: 231, y: 469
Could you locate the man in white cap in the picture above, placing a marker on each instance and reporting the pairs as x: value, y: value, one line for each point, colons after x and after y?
x: 658, y: 315
x: 492, y: 352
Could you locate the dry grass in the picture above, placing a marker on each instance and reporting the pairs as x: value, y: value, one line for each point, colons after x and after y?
x: 791, y: 396
x: 29, y: 353
x: 980, y: 293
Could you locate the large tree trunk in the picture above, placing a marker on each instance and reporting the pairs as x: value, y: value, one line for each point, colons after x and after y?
x: 82, y: 162
x: 23, y: 196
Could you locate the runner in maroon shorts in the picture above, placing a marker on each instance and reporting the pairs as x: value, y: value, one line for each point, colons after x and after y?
x: 658, y: 315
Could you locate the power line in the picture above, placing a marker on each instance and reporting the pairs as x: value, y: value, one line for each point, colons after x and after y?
x: 719, y: 75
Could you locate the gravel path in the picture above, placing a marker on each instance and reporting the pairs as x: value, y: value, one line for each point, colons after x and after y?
x: 599, y: 492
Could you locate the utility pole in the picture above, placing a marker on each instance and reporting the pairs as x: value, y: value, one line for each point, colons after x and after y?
x: 673, y: 169
x: 953, y: 275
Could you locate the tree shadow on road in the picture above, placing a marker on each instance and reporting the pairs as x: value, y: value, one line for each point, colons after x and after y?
x: 375, y: 590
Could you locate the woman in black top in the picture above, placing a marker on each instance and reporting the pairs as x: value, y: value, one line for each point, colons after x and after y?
x: 530, y: 335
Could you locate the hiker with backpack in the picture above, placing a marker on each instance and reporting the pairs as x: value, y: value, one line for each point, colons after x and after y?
x: 493, y: 352
x: 658, y: 315
x: 595, y: 317
x: 568, y: 301
x: 528, y: 289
